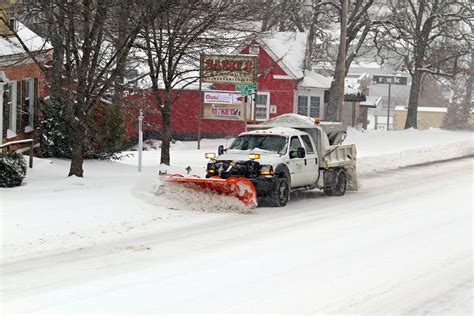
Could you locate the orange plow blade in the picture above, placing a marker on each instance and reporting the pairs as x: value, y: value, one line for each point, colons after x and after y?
x: 241, y: 188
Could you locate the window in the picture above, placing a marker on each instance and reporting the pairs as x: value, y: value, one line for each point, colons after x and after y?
x: 11, y: 116
x: 12, y: 24
x: 254, y: 49
x: 25, y: 110
x: 27, y: 104
x: 294, y: 145
x: 314, y: 107
x: 309, y: 106
x: 261, y: 106
x: 5, y: 111
x: 307, y: 144
x: 272, y: 143
x: 302, y: 105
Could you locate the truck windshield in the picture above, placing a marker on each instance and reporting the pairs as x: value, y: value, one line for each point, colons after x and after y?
x: 272, y: 143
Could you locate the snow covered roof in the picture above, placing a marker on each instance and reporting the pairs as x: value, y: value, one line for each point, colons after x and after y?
x: 282, y: 131
x: 423, y: 109
x: 288, y: 48
x: 289, y: 120
x: 11, y: 45
x: 314, y: 80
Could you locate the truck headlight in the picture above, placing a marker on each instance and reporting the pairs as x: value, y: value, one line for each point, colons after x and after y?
x: 266, y: 170
x: 254, y: 156
x: 210, y: 155
x: 211, y: 168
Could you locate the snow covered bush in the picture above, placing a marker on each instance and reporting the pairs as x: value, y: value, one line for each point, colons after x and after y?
x: 12, y: 169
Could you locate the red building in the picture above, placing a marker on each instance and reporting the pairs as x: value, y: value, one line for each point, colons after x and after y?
x: 283, y: 87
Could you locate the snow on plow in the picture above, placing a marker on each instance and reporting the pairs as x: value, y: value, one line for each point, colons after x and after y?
x: 239, y: 188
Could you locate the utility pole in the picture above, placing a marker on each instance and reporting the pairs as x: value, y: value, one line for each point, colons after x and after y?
x: 388, y: 107
x: 341, y: 61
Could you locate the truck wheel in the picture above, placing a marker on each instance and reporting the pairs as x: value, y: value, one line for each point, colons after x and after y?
x: 338, y: 188
x: 281, y: 195
x: 341, y: 183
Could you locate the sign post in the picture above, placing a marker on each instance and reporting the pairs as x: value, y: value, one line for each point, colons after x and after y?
x: 390, y: 79
x: 140, y: 140
x: 201, y: 57
x: 246, y: 90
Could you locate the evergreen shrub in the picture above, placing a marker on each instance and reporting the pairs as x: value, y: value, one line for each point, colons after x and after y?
x: 105, y: 133
x: 12, y: 169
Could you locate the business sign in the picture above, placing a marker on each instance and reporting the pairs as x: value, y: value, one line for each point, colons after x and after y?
x: 387, y: 79
x: 227, y: 112
x: 222, y: 97
x: 223, y: 106
x: 228, y: 68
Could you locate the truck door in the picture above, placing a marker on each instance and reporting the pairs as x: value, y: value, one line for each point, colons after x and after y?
x: 310, y: 162
x: 296, y: 164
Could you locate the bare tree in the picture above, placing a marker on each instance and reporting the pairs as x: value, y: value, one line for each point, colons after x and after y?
x: 175, y: 34
x: 282, y: 15
x: 86, y: 58
x: 359, y: 25
x: 430, y: 36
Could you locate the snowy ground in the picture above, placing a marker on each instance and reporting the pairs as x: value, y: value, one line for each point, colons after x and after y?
x: 108, y: 244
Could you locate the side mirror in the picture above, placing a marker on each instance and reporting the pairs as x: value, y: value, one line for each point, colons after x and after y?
x: 220, y: 150
x: 301, y: 152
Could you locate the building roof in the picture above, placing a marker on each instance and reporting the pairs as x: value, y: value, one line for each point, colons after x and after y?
x: 11, y: 45
x: 371, y: 101
x: 423, y: 109
x: 314, y: 80
x: 288, y: 48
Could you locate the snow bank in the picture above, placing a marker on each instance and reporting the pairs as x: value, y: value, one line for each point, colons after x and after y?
x: 379, y: 151
x: 373, y: 164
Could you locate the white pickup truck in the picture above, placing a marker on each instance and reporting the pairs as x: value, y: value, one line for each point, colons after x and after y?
x: 288, y: 153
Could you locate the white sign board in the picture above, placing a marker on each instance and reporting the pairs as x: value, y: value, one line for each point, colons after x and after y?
x: 218, y: 97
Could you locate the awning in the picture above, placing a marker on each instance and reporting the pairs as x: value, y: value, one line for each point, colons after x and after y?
x: 371, y: 102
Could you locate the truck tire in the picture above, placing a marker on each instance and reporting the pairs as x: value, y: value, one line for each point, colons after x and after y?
x: 281, y: 195
x: 338, y: 188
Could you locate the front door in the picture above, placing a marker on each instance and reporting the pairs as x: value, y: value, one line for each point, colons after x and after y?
x: 311, y: 163
x: 295, y: 164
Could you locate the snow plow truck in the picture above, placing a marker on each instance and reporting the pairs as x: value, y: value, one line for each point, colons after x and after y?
x: 284, y: 154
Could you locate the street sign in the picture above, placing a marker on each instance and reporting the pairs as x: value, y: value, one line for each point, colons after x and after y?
x: 387, y: 79
x: 246, y: 88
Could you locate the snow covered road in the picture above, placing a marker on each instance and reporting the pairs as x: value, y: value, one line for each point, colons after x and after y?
x: 403, y: 244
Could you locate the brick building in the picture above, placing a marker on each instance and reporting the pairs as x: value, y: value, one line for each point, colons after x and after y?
x: 21, y: 80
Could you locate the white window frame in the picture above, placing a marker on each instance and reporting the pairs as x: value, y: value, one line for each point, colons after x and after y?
x: 308, y: 104
x: 11, y: 130
x: 267, y: 107
x: 31, y: 104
